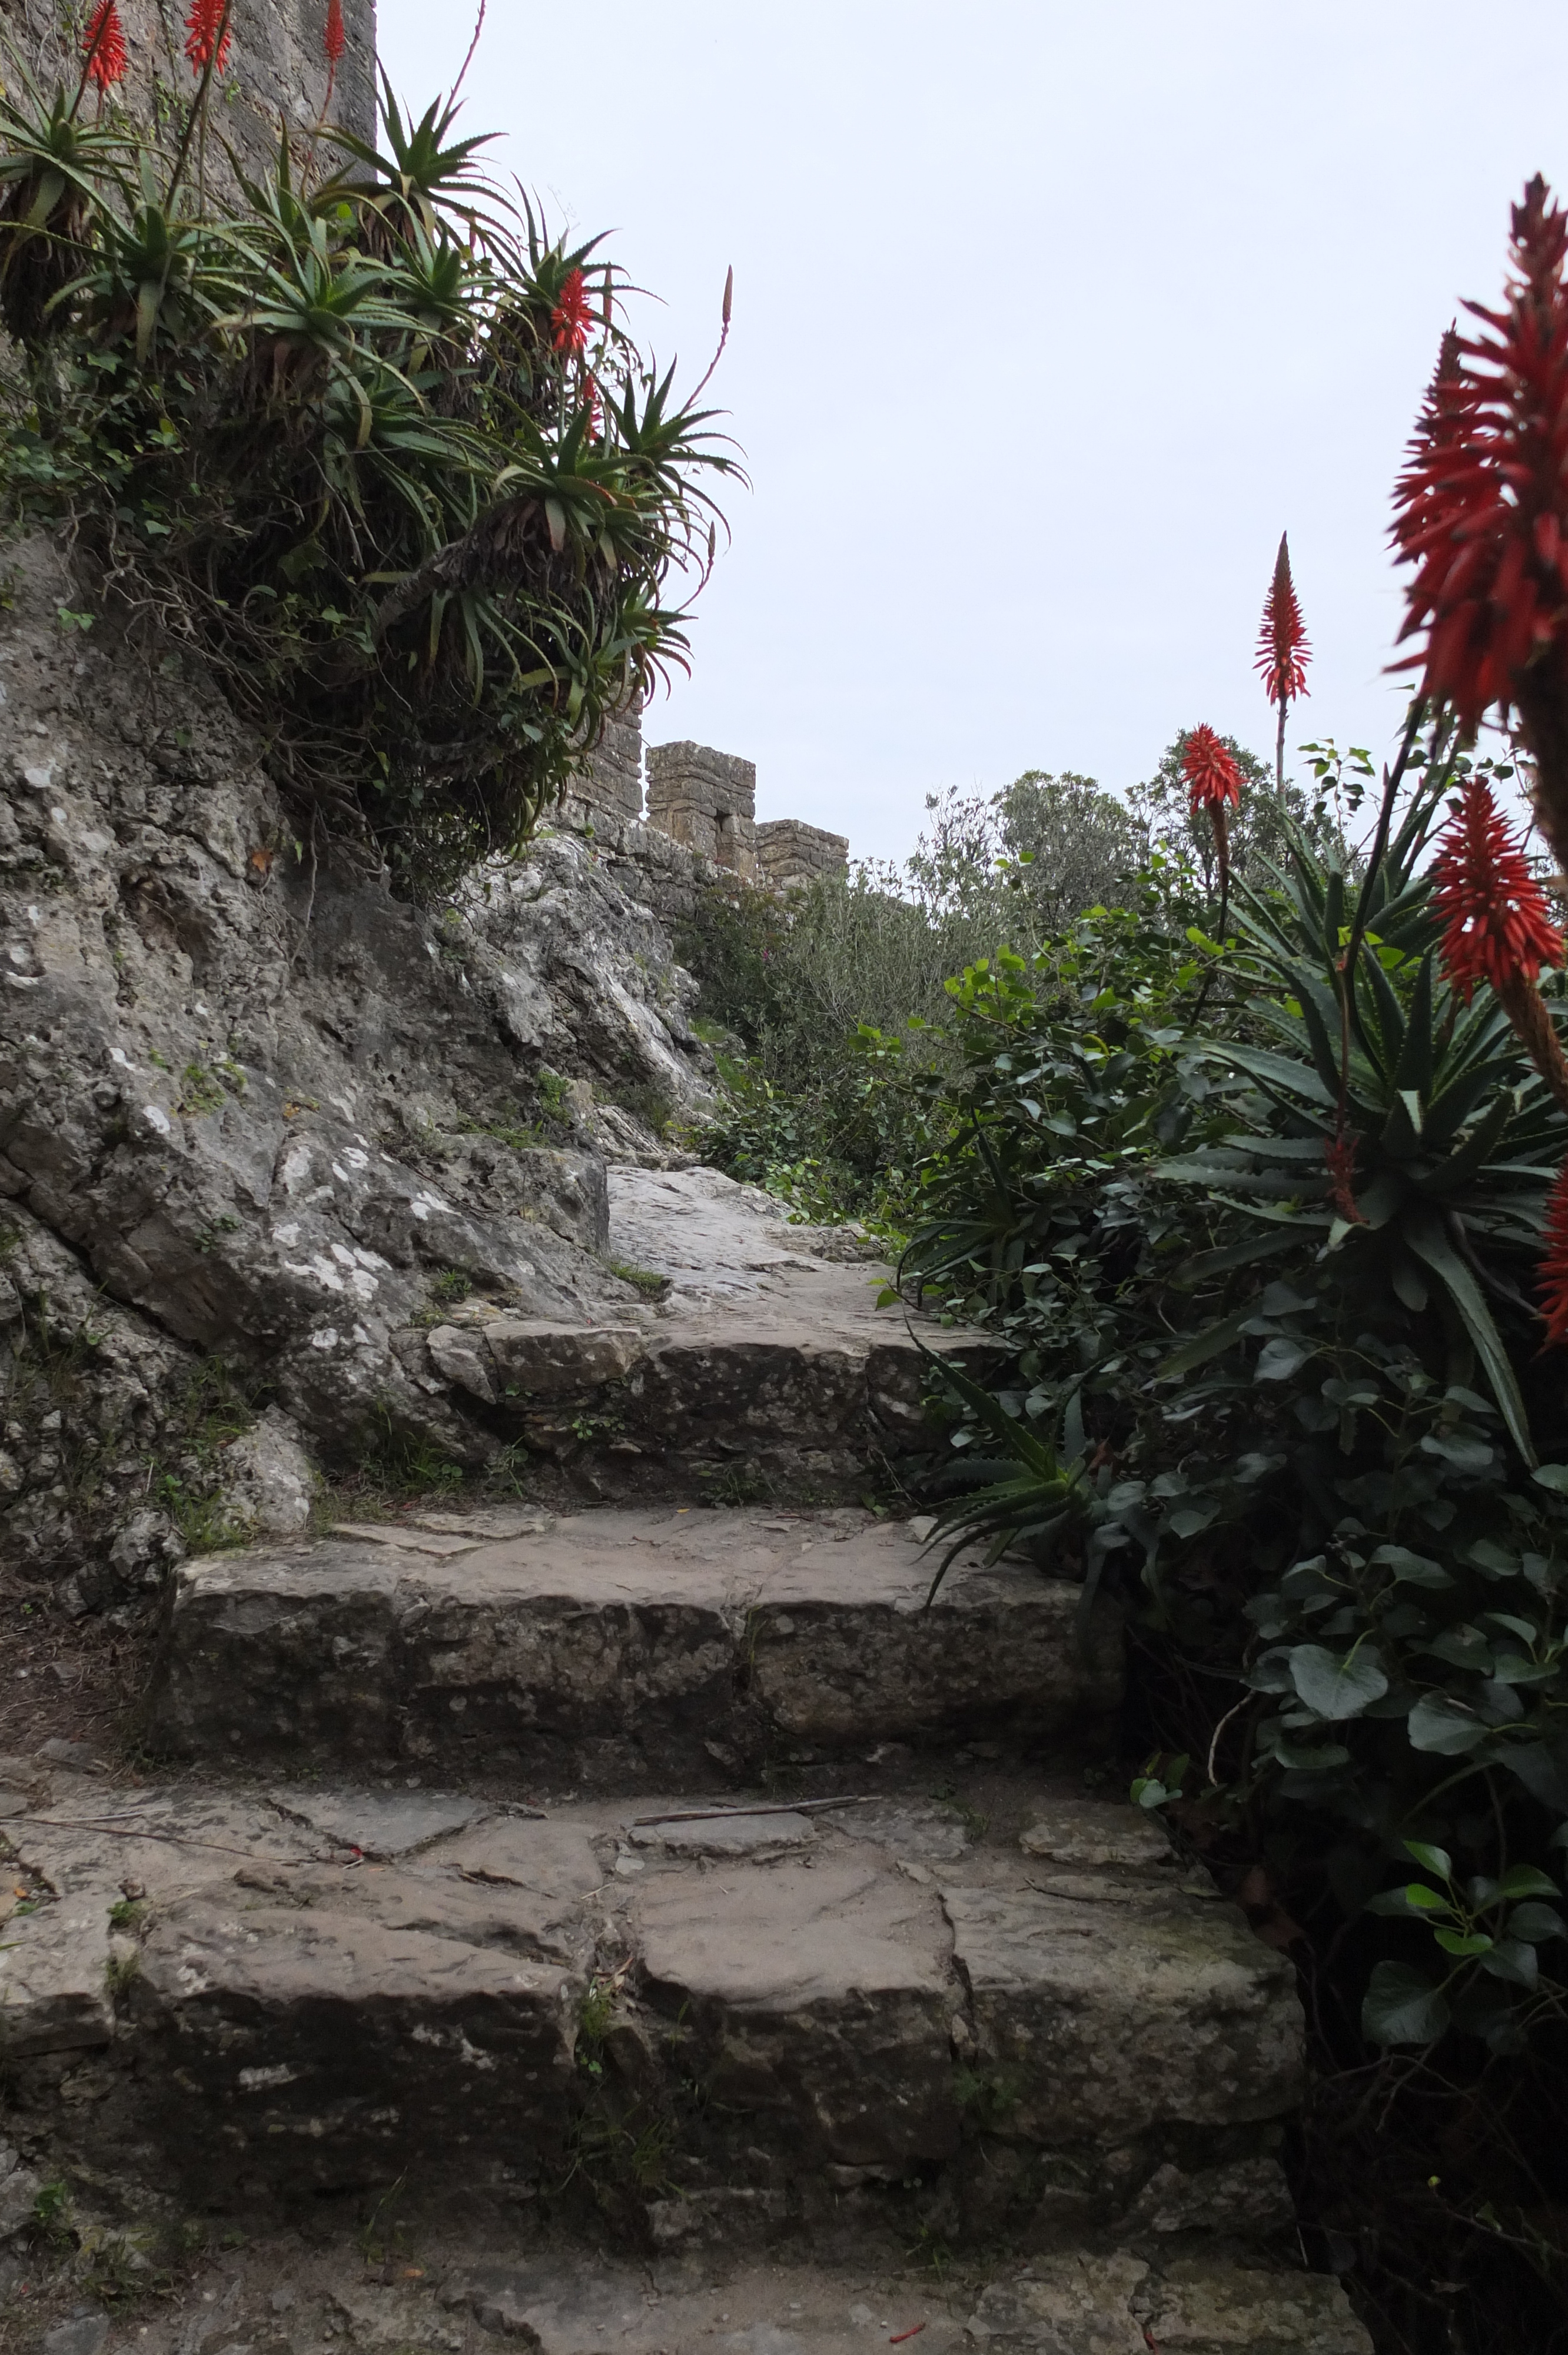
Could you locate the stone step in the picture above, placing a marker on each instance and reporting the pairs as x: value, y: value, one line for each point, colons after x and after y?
x: 1012, y: 2013
x: 621, y: 1647
x: 285, y: 2296
x: 763, y: 1368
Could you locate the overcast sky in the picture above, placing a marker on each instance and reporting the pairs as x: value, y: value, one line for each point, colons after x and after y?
x: 1048, y: 320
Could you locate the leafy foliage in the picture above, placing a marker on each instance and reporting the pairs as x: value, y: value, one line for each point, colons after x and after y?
x: 320, y: 427
x: 827, y: 995
x: 1303, y: 1431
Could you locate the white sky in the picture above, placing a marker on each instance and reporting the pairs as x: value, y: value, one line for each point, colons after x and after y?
x: 1048, y: 320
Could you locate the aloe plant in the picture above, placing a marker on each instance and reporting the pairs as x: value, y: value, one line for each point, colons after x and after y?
x: 1364, y: 1059
x: 319, y: 422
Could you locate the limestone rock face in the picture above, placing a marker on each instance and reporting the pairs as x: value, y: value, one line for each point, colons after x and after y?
x: 277, y: 64
x: 254, y: 1109
x: 267, y: 1477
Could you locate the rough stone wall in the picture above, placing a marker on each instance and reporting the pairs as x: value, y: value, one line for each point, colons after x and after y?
x: 610, y: 784
x: 707, y: 800
x: 791, y: 851
x: 277, y: 61
x: 262, y: 1107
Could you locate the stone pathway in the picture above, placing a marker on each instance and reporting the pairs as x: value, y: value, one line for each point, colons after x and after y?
x: 648, y: 1928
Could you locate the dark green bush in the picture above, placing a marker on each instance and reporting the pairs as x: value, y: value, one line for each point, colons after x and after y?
x: 1296, y: 1410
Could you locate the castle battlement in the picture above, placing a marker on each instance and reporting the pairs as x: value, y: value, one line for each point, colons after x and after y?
x: 701, y: 798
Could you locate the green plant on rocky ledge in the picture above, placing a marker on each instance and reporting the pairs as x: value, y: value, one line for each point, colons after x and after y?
x: 361, y: 435
x: 654, y: 1286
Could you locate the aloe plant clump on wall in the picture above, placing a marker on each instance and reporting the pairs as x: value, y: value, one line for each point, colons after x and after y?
x: 356, y: 432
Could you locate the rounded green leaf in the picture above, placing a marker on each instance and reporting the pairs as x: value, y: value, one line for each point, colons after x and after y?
x: 1440, y: 1724
x: 1435, y: 1860
x: 1336, y: 1688
x: 1403, y: 2006
x: 1536, y: 1924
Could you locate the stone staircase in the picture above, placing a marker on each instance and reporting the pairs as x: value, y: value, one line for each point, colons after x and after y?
x: 689, y: 1938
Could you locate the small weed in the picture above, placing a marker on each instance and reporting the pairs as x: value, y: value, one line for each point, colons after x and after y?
x: 988, y: 2097
x: 931, y: 2250
x: 116, y: 2268
x: 735, y: 1484
x: 452, y: 1284
x: 644, y: 1278
x: 383, y: 2238
x: 52, y: 2214
x: 595, y: 2013
x: 128, y: 1914
x: 519, y: 1138
x: 225, y: 1225
x: 119, y: 1974
x: 161, y: 1062
x: 199, y: 1515
x: 586, y: 1428
x: 406, y: 1462
x: 200, y: 1090
x: 554, y: 1101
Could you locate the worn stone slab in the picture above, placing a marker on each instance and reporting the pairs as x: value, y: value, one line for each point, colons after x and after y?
x: 53, y: 1997
x: 1088, y: 2013
x: 466, y: 2289
x: 1199, y: 2307
x: 1070, y: 2305
x: 405, y: 1539
x: 797, y: 2028
x: 1095, y: 1832
x: 532, y: 1357
x: 623, y: 1647
x: 306, y: 2045
x: 380, y: 1823
x: 758, y: 1837
x: 813, y: 2000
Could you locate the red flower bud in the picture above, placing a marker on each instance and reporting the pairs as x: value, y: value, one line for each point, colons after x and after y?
x: 207, y: 35
x: 104, y: 47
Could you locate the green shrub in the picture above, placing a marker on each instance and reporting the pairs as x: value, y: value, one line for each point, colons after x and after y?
x: 330, y: 430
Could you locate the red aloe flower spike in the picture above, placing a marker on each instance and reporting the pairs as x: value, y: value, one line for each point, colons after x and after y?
x: 106, y: 59
x: 1211, y: 775
x: 1281, y: 648
x: 571, y: 317
x: 1340, y: 1152
x: 1496, y: 924
x: 1497, y: 921
x: 1214, y: 782
x: 1482, y: 506
x: 207, y: 35
x: 1553, y: 1273
x: 335, y: 38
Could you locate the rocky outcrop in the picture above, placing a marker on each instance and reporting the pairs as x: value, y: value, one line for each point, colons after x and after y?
x: 257, y: 1114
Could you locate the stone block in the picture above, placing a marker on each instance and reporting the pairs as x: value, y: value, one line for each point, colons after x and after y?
x: 788, y: 851
x: 610, y: 782
x: 544, y: 1360
x: 815, y: 2002
x: 622, y: 1645
x: 707, y: 800
x: 311, y: 2046
x: 1171, y: 2012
